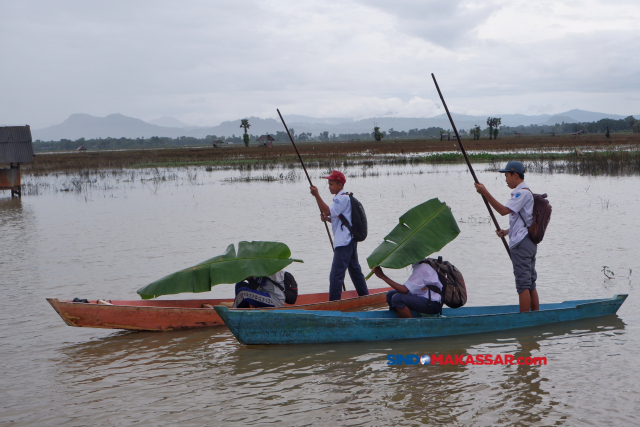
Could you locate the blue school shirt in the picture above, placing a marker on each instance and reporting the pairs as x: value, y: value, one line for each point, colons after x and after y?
x: 521, y: 201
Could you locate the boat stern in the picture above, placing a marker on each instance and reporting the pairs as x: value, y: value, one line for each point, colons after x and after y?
x: 68, y: 319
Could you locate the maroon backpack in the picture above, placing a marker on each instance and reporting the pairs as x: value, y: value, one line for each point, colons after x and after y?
x: 541, y: 217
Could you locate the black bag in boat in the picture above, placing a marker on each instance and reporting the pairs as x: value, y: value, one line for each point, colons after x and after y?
x: 290, y: 288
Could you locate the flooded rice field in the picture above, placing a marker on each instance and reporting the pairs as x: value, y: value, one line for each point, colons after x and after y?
x: 106, y: 235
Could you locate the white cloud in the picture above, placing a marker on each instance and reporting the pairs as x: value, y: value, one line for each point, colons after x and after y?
x: 530, y: 22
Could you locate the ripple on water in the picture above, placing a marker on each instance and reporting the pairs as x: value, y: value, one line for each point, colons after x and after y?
x: 66, y: 245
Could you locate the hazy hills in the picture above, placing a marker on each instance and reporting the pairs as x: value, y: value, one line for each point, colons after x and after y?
x: 169, y: 122
x: 116, y: 125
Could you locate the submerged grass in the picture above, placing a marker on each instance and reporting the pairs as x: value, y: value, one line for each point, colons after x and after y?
x: 290, y: 176
x: 554, y: 154
x: 612, y: 163
x: 106, y: 181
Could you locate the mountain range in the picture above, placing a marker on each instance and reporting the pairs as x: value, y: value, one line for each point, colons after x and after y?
x: 117, y: 125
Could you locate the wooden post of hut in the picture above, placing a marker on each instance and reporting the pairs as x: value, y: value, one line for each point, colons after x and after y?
x: 16, y: 147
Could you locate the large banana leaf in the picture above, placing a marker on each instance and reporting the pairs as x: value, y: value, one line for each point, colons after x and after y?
x: 253, y: 259
x: 423, y: 230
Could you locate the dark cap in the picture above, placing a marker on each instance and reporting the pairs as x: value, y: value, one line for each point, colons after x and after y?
x: 513, y: 166
x: 336, y: 176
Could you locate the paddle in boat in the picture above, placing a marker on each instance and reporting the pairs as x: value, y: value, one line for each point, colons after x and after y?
x: 168, y: 315
x: 303, y: 327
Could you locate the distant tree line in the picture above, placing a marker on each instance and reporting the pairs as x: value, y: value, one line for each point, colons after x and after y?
x: 628, y: 124
x: 125, y: 143
x: 160, y: 141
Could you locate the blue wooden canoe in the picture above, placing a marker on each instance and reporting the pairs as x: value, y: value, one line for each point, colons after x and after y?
x: 304, y: 326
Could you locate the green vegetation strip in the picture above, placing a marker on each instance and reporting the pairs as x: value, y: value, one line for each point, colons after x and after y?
x: 363, y: 159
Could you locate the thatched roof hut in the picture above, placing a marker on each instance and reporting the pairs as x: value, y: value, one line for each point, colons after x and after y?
x: 16, y: 145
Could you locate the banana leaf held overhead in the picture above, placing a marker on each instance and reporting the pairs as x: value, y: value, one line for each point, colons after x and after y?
x: 252, y: 259
x: 423, y: 230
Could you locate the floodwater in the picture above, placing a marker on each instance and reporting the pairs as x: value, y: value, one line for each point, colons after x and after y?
x: 106, y: 239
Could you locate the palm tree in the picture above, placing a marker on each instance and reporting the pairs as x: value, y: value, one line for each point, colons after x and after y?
x: 475, y: 132
x: 377, y: 135
x: 493, y: 122
x: 244, y: 123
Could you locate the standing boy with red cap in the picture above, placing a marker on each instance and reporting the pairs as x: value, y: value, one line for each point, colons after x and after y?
x: 345, y: 254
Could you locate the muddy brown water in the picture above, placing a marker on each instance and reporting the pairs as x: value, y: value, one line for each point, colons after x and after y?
x: 108, y: 239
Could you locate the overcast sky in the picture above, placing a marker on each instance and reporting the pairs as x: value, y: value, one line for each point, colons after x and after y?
x: 208, y: 61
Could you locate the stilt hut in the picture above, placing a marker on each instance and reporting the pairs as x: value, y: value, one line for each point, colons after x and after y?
x: 265, y: 141
x: 16, y: 147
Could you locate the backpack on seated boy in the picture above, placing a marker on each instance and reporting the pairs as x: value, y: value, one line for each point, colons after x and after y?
x: 290, y: 288
x: 454, y: 291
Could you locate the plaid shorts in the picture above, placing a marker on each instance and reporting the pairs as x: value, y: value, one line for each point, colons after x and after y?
x: 523, y: 257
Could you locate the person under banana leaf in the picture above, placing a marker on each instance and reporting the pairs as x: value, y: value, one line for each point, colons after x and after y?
x: 260, y: 291
x: 421, y: 292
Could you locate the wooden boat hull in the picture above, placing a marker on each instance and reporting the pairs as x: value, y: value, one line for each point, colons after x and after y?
x: 302, y: 326
x: 169, y: 315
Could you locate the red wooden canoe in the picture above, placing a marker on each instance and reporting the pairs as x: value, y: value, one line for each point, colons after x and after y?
x: 171, y: 315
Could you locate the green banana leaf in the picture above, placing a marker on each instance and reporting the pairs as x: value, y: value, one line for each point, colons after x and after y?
x: 253, y: 259
x: 423, y: 230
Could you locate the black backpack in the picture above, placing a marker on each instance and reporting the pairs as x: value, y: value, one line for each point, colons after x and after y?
x: 290, y: 288
x: 454, y: 291
x: 359, y: 227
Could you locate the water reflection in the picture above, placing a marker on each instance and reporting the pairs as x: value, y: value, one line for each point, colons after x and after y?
x: 300, y: 383
x: 101, y: 243
x: 18, y: 228
x: 10, y: 211
x: 157, y: 347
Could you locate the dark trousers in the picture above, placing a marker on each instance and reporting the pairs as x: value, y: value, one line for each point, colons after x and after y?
x: 397, y: 300
x: 346, y: 258
x: 247, y: 294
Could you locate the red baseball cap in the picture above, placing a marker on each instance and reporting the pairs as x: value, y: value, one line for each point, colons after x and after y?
x: 336, y: 176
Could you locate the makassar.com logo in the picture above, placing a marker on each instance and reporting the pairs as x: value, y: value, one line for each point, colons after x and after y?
x: 408, y: 359
x: 463, y: 359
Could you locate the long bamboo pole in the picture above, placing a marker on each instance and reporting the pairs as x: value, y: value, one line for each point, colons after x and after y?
x: 309, y: 179
x: 473, y: 174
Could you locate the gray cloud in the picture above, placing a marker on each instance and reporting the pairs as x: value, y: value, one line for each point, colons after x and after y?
x: 446, y: 23
x: 204, y: 62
